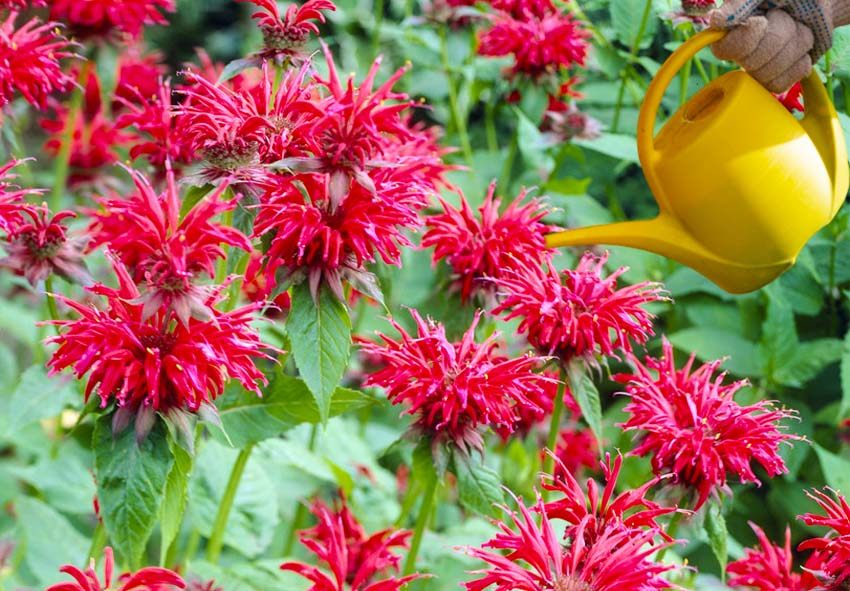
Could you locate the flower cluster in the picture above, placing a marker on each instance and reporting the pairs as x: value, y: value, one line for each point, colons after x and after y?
x: 109, y: 18
x: 577, y: 313
x: 454, y: 388
x: 690, y: 425
x: 285, y: 38
x: 480, y: 249
x: 355, y: 558
x: 150, y: 578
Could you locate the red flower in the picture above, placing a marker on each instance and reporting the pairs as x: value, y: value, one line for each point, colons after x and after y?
x: 21, y: 4
x: 10, y: 199
x: 151, y: 578
x: 520, y: 8
x: 102, y: 18
x: 542, y: 45
x: 575, y: 449
x: 615, y: 560
x: 138, y: 76
x: 96, y: 139
x: 354, y: 558
x: 285, y: 39
x: 790, y: 99
x: 698, y: 7
x: 39, y: 247
x: 312, y: 239
x: 480, y: 250
x: 167, y: 253
x: 630, y: 509
x: 155, y: 363
x: 692, y: 427
x: 454, y: 388
x: 767, y: 568
x: 29, y: 61
x: 585, y: 315
x: 830, y: 564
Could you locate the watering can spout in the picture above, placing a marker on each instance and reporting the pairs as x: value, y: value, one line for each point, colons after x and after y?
x: 741, y: 184
x: 665, y: 236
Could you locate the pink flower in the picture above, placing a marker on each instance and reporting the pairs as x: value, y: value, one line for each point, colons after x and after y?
x: 576, y: 449
x: 311, y: 239
x: 830, y: 563
x: 354, y: 558
x: 615, y: 560
x: 21, y: 4
x: 692, y: 427
x: 285, y: 39
x: 96, y: 140
x: 11, y: 197
x: 790, y: 99
x: 40, y: 246
x: 139, y: 75
x: 29, y: 61
x: 542, y: 44
x: 151, y: 578
x: 480, y: 249
x: 454, y: 388
x: 102, y: 18
x: 767, y: 568
x: 167, y: 253
x: 155, y: 363
x: 586, y: 315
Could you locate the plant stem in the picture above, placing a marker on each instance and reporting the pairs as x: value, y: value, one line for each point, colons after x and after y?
x: 490, y: 126
x: 508, y: 167
x: 830, y: 79
x: 421, y: 524
x: 701, y: 69
x: 376, y: 32
x: 63, y: 158
x: 671, y: 530
x: 226, y: 220
x: 98, y: 541
x: 647, y: 9
x: 684, y: 80
x: 555, y: 423
x: 458, y: 121
x: 301, y: 510
x: 217, y: 537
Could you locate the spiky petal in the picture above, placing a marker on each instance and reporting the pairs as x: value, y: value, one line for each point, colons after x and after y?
x: 105, y: 18
x: 150, y: 578
x: 766, y: 568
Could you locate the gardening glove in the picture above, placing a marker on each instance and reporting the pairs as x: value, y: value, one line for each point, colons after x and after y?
x: 777, y: 41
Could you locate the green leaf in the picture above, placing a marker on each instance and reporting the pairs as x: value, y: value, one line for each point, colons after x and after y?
x: 711, y: 343
x: 532, y: 146
x: 779, y: 339
x: 619, y: 146
x: 320, y: 333
x: 193, y: 196
x: 627, y: 16
x: 51, y: 541
x: 36, y: 397
x: 235, y: 68
x: 64, y: 481
x: 718, y: 536
x: 478, y: 486
x: 810, y: 358
x: 423, y: 465
x: 174, y: 503
x: 587, y: 396
x: 131, y: 479
x: 836, y: 469
x: 845, y: 376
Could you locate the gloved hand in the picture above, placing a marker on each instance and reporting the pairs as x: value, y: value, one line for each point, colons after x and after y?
x: 776, y: 41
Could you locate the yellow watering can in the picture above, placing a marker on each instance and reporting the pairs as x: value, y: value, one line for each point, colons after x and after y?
x: 741, y: 184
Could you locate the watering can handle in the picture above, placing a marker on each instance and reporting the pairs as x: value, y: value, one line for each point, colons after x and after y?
x: 816, y: 99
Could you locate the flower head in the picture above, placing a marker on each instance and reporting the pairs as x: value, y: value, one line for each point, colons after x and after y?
x: 354, y: 558
x: 454, y: 388
x: 151, y: 578
x: 166, y: 253
x: 39, y: 246
x: 154, y: 362
x: 830, y: 563
x: 480, y: 248
x: 536, y: 559
x: 139, y: 75
x: 790, y: 99
x: 29, y: 61
x: 766, y: 568
x: 542, y: 45
x: 11, y: 197
x: 285, y: 39
x: 692, y: 427
x: 577, y: 313
x: 102, y: 18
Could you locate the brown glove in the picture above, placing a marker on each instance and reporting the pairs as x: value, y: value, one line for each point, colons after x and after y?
x: 777, y: 41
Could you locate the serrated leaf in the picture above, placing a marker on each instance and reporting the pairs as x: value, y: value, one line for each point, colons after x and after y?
x: 174, y: 502
x: 320, y: 334
x: 810, y: 358
x: 131, y: 479
x: 743, y: 356
x: 51, y: 541
x: 587, y: 396
x: 478, y: 486
x: 36, y: 397
x: 626, y: 17
x: 718, y: 536
x: 836, y: 469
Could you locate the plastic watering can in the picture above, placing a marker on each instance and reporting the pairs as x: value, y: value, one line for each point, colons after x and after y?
x: 741, y: 184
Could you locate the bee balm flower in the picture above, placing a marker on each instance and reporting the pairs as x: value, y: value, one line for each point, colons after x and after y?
x: 151, y: 578
x: 102, y: 18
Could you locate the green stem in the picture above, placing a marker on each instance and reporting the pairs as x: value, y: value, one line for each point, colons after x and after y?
x: 846, y: 90
x: 51, y: 302
x: 421, y: 524
x: 98, y: 542
x: 458, y: 121
x: 376, y: 32
x: 490, y: 126
x: 301, y: 510
x: 555, y: 422
x: 701, y: 69
x: 226, y: 220
x: 192, y: 544
x: 647, y: 9
x: 217, y: 537
x: 684, y: 81
x: 830, y: 79
x: 671, y: 530
x: 63, y: 158
x: 508, y: 167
